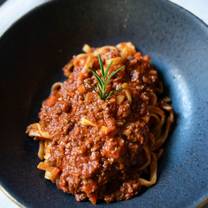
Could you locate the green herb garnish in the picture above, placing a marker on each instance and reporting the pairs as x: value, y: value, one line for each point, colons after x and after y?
x: 104, y: 79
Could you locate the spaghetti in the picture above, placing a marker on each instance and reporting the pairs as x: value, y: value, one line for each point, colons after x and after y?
x: 104, y: 149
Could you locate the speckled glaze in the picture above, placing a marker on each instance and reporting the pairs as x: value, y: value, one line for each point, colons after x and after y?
x: 32, y: 54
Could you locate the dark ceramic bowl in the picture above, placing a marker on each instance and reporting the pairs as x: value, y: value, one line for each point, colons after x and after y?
x: 32, y: 53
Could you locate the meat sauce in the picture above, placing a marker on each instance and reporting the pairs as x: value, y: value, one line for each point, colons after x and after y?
x: 96, y: 145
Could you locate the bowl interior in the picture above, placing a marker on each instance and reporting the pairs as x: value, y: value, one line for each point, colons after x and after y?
x: 32, y: 54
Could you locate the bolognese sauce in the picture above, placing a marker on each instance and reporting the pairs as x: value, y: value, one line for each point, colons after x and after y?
x: 104, y: 148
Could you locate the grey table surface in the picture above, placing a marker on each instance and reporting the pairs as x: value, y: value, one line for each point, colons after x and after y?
x: 197, y: 7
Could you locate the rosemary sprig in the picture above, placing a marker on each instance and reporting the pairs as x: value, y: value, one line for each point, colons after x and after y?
x: 104, y: 79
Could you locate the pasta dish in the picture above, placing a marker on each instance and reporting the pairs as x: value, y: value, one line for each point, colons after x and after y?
x: 102, y: 131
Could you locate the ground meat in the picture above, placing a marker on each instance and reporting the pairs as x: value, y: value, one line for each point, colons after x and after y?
x: 97, y: 145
